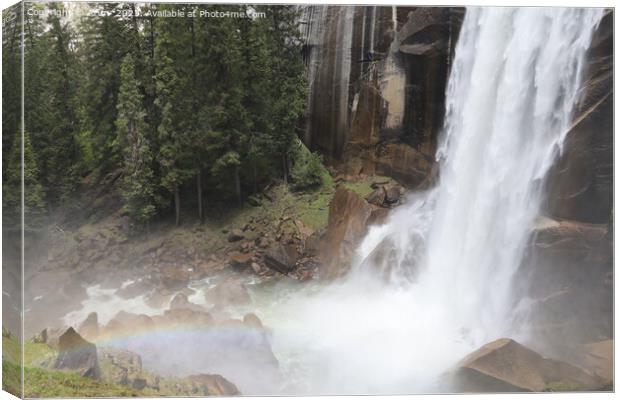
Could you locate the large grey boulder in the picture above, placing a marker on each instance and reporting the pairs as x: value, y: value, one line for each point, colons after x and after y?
x: 281, y: 257
x: 507, y: 366
x: 77, y: 354
x: 213, y: 385
x: 346, y: 227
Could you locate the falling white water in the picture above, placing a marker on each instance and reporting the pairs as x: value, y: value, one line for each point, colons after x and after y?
x: 511, y: 92
x: 451, y: 253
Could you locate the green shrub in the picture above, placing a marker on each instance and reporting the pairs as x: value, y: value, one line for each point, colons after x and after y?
x: 308, y: 170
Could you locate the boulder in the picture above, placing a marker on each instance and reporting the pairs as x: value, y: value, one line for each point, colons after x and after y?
x: 235, y: 235
x: 139, y: 383
x: 49, y: 336
x: 41, y: 338
x: 253, y: 321
x: 134, y: 321
x: 312, y: 244
x: 392, y: 194
x: 184, y: 317
x: 255, y: 267
x: 180, y: 301
x: 598, y: 357
x: 213, y: 385
x: 281, y: 257
x: 157, y: 299
x: 382, y: 259
x: 175, y: 277
x: 228, y: 292
x: 254, y: 201
x: 241, y: 260
x: 113, y: 328
x: 377, y: 197
x: 403, y: 162
x: 262, y: 242
x: 348, y: 216
x: 77, y: 354
x: 507, y: 366
x: 119, y: 366
x: 125, y: 323
x: 387, y: 257
x: 89, y: 328
x: 378, y: 216
x: 378, y: 183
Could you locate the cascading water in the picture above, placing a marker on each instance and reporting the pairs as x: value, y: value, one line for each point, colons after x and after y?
x: 450, y: 255
x: 513, y: 86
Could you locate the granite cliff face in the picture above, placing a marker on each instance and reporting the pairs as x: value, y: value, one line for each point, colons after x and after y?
x: 569, y: 262
x: 378, y: 77
x: 377, y: 85
x: 581, y: 185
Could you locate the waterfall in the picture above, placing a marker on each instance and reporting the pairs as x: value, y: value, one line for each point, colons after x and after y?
x: 510, y: 96
x: 436, y: 281
x: 508, y: 110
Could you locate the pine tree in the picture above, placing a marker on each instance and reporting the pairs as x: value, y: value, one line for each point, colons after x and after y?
x: 11, y: 75
x: 139, y: 186
x: 174, y: 154
x: 289, y: 86
x: 258, y: 99
x: 50, y: 91
x: 60, y: 157
x: 107, y: 38
x: 229, y: 119
x: 34, y: 202
x: 34, y: 197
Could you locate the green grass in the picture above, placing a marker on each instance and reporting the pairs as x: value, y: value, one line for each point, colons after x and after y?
x: 311, y: 207
x: 362, y: 188
x: 40, y: 382
x: 45, y: 383
x: 11, y: 349
x: 11, y: 378
x: 562, y: 387
x: 315, y: 210
x: 35, y: 354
